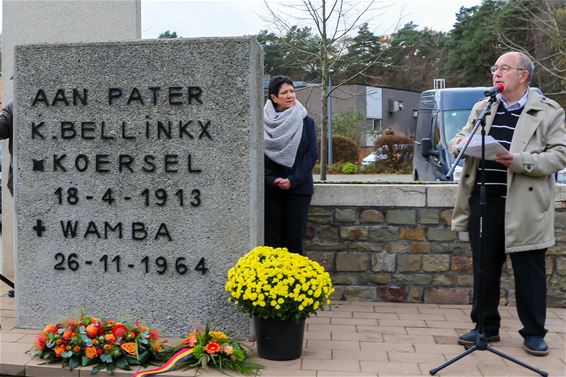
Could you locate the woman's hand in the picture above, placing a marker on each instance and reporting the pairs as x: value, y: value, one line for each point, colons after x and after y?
x: 282, y: 183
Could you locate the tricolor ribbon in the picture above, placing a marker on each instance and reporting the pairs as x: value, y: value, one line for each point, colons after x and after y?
x: 169, y: 365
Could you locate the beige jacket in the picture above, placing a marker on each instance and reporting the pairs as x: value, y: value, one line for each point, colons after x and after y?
x: 539, y: 149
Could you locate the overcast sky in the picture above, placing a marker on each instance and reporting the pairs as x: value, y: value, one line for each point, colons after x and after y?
x: 194, y: 18
x: 210, y: 18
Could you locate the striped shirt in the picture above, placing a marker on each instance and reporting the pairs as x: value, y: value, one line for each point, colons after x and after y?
x: 502, y: 130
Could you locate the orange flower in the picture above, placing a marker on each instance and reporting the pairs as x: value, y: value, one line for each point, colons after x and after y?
x: 90, y: 352
x: 40, y: 341
x: 212, y: 347
x: 156, y: 346
x: 110, y: 338
x: 191, y: 340
x: 50, y: 328
x: 92, y: 330
x: 130, y: 348
x: 107, y: 347
x: 76, y: 349
x: 119, y: 330
x: 67, y: 334
x: 59, y: 350
x: 67, y: 348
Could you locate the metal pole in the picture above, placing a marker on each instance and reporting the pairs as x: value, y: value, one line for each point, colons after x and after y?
x: 329, y: 99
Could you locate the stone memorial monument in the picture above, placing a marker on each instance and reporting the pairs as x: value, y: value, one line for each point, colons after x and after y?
x: 138, y: 179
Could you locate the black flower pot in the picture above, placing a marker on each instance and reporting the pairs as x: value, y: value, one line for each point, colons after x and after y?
x: 279, y: 340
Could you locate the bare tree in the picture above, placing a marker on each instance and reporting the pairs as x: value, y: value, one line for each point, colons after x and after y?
x: 546, y: 40
x: 332, y: 20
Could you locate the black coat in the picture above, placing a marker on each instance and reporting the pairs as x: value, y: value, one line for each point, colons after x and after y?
x: 300, y: 174
x: 6, y: 131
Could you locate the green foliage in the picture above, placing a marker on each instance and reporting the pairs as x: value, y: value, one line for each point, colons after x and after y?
x: 335, y: 168
x: 379, y: 167
x: 349, y: 168
x: 412, y: 56
x: 385, y: 167
x: 293, y: 54
x: 168, y: 35
x: 349, y: 124
x: 363, y: 51
x: 471, y: 46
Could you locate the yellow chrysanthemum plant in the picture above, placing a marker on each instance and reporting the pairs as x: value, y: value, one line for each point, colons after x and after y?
x: 273, y: 283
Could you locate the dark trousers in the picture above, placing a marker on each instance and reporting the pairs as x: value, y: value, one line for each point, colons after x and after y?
x: 285, y: 219
x: 528, y: 268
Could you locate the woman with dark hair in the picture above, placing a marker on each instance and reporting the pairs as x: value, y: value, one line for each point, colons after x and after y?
x: 290, y: 155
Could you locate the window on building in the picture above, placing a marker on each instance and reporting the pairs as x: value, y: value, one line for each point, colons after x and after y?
x: 376, y: 125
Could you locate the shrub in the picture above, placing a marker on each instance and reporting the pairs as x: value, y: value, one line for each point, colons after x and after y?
x: 344, y: 149
x: 385, y: 167
x: 397, y: 147
x: 349, y: 168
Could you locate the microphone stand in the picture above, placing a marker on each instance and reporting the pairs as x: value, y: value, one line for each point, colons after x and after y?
x: 481, y: 338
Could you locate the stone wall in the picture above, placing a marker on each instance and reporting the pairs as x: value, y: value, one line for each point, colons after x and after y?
x: 394, y: 243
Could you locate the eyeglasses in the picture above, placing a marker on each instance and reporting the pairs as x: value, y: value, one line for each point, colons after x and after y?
x: 503, y: 69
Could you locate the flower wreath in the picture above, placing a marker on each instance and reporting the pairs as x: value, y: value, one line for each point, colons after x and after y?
x: 104, y: 344
x: 202, y: 348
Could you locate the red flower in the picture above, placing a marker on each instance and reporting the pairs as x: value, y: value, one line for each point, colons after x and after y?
x: 153, y: 334
x: 40, y: 341
x: 212, y: 347
x: 119, y: 330
x: 67, y: 334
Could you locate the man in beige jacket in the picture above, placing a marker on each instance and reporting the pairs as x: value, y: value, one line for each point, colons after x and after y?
x: 519, y: 214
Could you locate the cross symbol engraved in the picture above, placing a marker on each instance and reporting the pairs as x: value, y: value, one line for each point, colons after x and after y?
x: 38, y: 165
x: 39, y: 228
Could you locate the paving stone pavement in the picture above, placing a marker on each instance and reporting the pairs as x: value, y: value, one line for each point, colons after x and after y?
x: 352, y: 339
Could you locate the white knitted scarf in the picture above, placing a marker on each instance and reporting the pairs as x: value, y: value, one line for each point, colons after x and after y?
x: 282, y: 132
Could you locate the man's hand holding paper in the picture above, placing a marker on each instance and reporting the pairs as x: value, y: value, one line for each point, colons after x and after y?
x: 492, y: 149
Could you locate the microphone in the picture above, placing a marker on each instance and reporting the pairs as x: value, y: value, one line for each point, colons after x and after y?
x: 498, y: 88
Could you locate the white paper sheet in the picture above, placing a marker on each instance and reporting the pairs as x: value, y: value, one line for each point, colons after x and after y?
x: 492, y: 147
